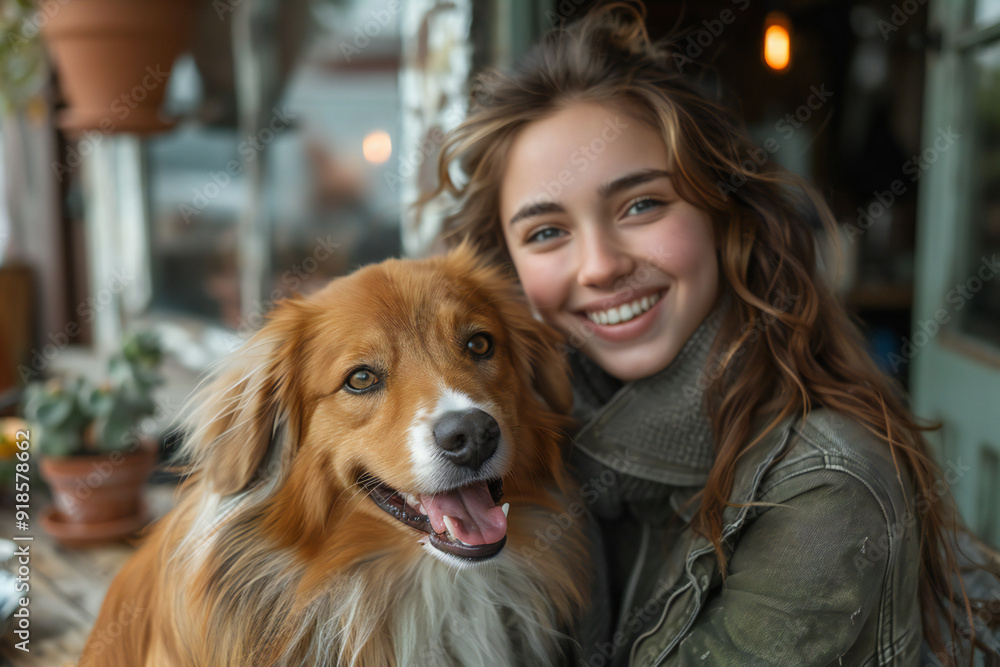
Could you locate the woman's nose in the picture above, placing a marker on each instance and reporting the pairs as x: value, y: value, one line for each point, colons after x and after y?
x: 603, y: 261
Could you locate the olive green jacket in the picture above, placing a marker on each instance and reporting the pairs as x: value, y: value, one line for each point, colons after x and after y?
x: 823, y: 571
x: 821, y: 537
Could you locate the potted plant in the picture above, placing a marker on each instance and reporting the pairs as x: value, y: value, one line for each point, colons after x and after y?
x: 114, y: 59
x: 94, y: 455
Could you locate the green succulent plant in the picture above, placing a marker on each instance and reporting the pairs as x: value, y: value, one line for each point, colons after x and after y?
x: 72, y: 416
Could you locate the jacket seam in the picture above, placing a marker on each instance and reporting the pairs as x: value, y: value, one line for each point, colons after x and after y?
x: 830, y: 461
x: 827, y: 449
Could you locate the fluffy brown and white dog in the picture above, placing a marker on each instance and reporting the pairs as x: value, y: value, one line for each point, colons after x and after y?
x: 370, y: 473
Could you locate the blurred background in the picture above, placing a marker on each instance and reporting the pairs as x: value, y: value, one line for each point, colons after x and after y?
x: 280, y: 143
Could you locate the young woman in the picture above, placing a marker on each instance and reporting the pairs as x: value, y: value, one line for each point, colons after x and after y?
x: 763, y: 494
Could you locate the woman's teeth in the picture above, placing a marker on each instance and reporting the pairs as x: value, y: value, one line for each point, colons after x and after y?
x: 624, y: 312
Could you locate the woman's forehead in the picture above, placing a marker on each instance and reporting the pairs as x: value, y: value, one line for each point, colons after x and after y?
x: 585, y: 146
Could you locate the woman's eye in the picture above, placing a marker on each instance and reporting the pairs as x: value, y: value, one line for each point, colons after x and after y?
x: 361, y: 380
x: 480, y: 345
x: 545, y: 234
x: 642, y: 206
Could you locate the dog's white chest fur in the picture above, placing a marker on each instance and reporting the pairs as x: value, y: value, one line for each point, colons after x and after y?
x: 496, y: 614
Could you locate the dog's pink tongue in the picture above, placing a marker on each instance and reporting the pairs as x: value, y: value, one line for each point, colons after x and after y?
x: 476, y: 519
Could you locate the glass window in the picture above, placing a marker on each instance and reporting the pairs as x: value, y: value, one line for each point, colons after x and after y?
x: 976, y: 294
x: 986, y: 12
x: 313, y: 183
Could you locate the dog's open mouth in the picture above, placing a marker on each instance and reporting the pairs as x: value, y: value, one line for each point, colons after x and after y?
x: 466, y: 522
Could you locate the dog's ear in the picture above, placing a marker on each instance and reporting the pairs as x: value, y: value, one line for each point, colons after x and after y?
x: 537, y: 346
x: 242, y: 423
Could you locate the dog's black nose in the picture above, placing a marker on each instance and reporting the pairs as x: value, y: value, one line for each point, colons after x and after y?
x: 467, y: 437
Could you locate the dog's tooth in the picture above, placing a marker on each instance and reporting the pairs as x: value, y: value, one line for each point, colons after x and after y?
x: 505, y: 508
x: 450, y: 527
x: 420, y: 508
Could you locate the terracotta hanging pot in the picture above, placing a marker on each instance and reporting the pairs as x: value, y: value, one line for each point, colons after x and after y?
x: 114, y: 59
x: 98, y: 498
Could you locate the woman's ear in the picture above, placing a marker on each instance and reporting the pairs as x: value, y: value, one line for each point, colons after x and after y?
x: 242, y: 424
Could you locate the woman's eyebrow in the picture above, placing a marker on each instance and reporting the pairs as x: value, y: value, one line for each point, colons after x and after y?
x: 605, y: 191
x: 530, y: 210
x: 631, y: 180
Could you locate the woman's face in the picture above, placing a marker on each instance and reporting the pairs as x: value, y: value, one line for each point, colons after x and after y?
x: 606, y: 250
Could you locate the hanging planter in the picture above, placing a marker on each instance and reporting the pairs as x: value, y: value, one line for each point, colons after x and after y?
x: 114, y: 59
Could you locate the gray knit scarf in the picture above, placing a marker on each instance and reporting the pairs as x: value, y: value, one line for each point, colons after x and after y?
x: 654, y: 430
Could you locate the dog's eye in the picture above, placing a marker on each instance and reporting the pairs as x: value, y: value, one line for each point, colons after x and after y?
x: 361, y: 379
x: 480, y: 345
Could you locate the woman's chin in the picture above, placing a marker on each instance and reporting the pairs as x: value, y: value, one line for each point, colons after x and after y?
x: 630, y: 364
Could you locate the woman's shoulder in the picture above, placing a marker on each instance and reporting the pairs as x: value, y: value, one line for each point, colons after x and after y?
x: 827, y: 444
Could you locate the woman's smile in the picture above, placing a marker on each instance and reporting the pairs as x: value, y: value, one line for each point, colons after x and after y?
x: 625, y: 322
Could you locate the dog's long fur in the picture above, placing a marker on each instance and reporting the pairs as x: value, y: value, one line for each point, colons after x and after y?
x: 276, y: 556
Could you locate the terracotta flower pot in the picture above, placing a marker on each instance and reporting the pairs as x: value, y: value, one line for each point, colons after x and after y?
x: 114, y: 59
x: 98, y: 498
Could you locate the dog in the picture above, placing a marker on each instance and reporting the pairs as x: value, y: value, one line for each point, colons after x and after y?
x: 369, y: 475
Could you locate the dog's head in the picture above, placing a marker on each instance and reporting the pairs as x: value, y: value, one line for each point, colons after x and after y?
x: 419, y: 393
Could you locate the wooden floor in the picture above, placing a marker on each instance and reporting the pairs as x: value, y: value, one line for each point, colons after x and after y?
x: 67, y: 587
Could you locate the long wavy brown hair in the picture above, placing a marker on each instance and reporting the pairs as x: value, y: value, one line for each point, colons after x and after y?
x: 798, y: 347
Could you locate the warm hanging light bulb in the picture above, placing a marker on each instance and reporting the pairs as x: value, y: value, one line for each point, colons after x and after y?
x: 377, y: 147
x: 777, y: 41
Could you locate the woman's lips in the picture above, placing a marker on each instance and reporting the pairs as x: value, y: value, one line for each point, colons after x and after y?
x: 624, y: 331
